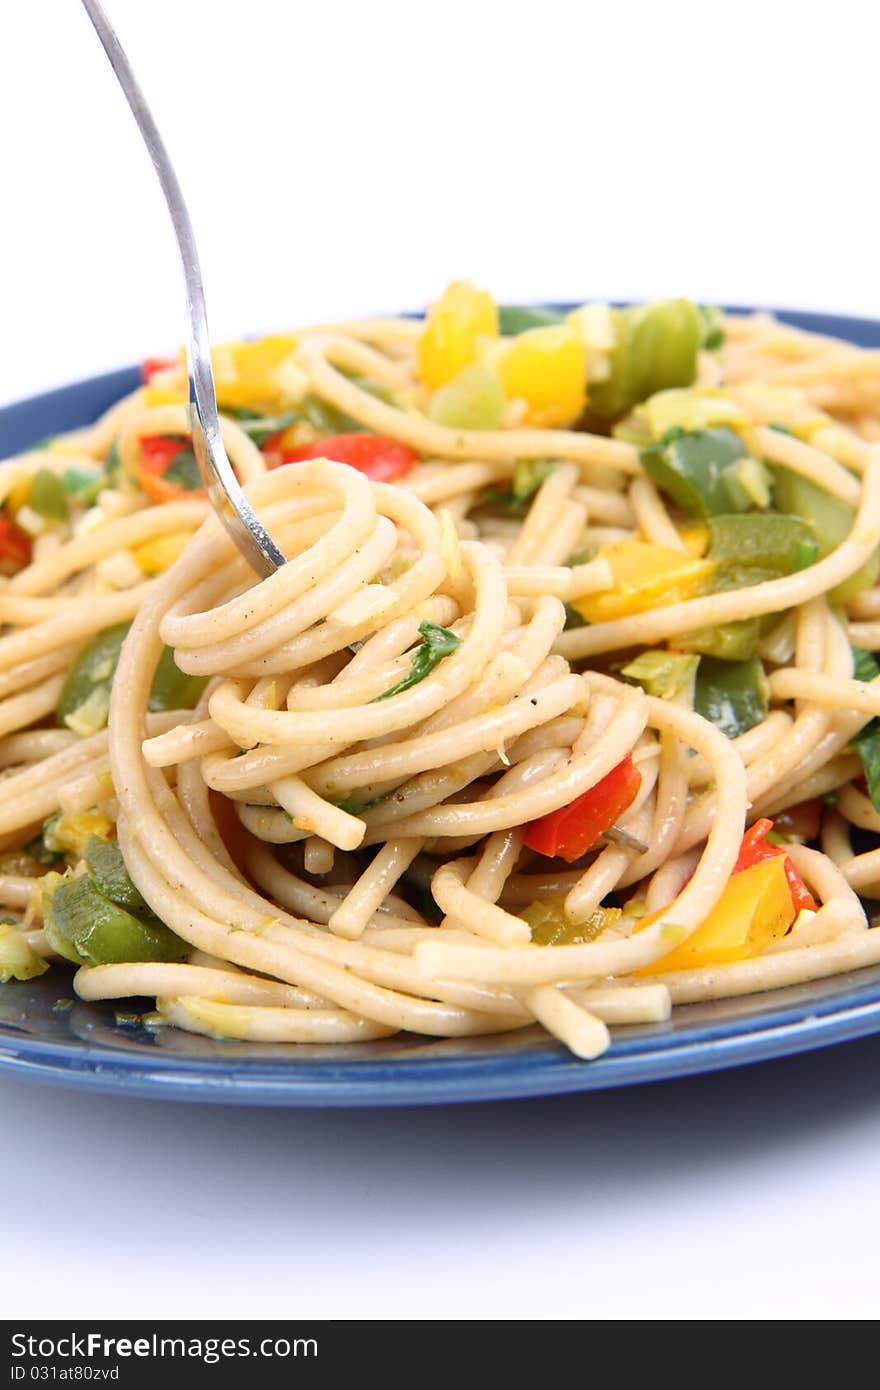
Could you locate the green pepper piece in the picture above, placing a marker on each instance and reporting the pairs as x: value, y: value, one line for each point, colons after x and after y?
x: 519, y: 318
x: 473, y: 400
x: 88, y: 929
x: 92, y: 671
x: 551, y: 927
x: 662, y: 673
x: 91, y: 676
x: 690, y: 468
x: 655, y: 348
x: 173, y: 688
x: 830, y: 520
x: 18, y: 960
x: 713, y: 326
x: 750, y: 485
x: 763, y: 542
x: 107, y: 871
x: 734, y: 641
x: 732, y: 695
x: 47, y: 497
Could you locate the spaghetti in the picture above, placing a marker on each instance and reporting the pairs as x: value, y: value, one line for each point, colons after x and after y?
x: 560, y: 711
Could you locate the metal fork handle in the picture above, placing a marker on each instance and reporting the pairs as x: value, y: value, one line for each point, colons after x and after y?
x: 227, y: 498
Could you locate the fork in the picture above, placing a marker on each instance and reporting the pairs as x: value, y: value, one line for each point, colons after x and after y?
x: 224, y: 492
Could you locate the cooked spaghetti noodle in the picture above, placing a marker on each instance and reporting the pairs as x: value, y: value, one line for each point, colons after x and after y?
x: 487, y: 749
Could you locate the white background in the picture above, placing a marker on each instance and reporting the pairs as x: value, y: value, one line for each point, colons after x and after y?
x: 341, y: 157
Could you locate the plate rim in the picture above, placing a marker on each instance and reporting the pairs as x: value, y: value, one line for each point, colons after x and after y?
x: 361, y: 1082
x: 841, y: 1015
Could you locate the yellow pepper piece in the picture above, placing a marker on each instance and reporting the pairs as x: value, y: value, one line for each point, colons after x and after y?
x: 19, y: 495
x: 68, y: 834
x: 164, y: 395
x: 645, y: 576
x: 546, y: 368
x: 456, y: 323
x: 692, y: 408
x: 250, y: 376
x: 754, y: 910
x: 696, y: 538
x: 158, y: 555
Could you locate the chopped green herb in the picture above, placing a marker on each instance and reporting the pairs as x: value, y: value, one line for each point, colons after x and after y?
x: 327, y: 419
x: 262, y: 427
x: 669, y: 436
x: 437, y: 642
x: 113, y: 466
x: 84, y: 484
x: 124, y: 1019
x: 38, y: 850
x: 867, y: 745
x: 732, y: 695
x: 184, y: 470
x: 865, y: 665
x: 357, y: 808
x: 573, y: 619
x: 528, y: 475
x: 867, y: 741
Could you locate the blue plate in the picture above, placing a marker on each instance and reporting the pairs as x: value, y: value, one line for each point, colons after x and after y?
x: 48, y: 1037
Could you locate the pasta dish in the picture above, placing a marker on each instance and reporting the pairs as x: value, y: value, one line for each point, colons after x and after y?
x: 564, y: 708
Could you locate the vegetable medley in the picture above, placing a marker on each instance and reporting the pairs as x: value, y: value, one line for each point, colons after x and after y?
x: 639, y: 374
